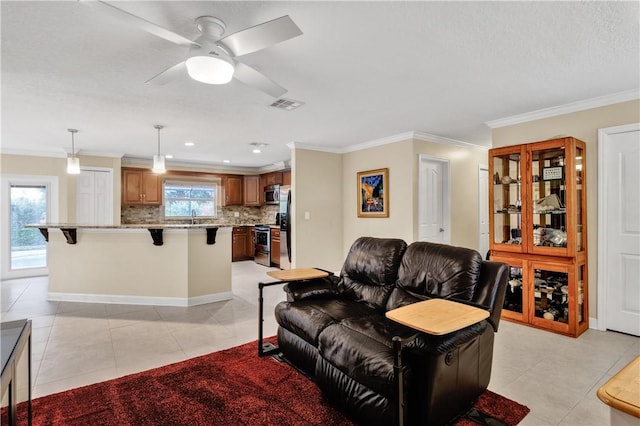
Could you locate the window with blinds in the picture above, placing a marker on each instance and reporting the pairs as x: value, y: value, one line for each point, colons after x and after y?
x: 190, y: 199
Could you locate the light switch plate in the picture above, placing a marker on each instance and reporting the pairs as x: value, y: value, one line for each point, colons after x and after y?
x: 307, y: 215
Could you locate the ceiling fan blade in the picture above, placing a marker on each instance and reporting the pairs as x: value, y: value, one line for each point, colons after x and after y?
x: 261, y: 36
x: 252, y: 77
x: 171, y: 73
x: 139, y: 22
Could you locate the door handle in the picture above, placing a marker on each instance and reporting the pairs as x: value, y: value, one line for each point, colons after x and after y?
x: 441, y: 230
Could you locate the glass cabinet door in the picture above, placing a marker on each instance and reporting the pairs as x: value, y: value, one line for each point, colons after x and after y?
x: 506, y: 195
x: 549, y: 198
x: 556, y: 305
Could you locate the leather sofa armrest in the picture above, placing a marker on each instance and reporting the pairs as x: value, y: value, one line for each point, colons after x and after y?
x: 489, y: 293
x: 427, y: 343
x: 319, y: 288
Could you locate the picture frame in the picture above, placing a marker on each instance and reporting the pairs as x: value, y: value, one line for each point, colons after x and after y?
x: 373, y: 193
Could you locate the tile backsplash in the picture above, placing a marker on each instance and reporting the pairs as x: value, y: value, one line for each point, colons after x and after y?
x: 226, y: 215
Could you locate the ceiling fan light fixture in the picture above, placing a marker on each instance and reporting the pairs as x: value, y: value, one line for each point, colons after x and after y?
x: 210, y: 69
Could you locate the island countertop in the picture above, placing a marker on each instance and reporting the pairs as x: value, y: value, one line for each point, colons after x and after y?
x: 136, y: 226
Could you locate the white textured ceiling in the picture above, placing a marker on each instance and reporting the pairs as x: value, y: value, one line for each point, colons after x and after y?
x: 365, y: 70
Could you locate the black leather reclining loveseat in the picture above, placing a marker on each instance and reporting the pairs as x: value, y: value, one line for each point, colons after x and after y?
x: 335, y: 330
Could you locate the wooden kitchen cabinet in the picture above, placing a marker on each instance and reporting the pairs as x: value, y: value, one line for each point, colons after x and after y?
x: 275, y: 247
x: 141, y: 186
x: 252, y: 191
x: 273, y: 178
x: 263, y: 183
x: 538, y: 224
x: 286, y: 177
x: 241, y: 243
x: 232, y: 186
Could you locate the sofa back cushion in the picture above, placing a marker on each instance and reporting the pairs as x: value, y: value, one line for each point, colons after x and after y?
x: 439, y: 270
x: 371, y: 269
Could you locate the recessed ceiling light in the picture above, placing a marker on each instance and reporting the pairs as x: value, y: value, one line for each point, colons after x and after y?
x: 168, y: 156
x: 257, y: 147
x: 226, y: 161
x: 189, y: 144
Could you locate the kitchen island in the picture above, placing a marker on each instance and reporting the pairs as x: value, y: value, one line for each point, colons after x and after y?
x: 149, y: 264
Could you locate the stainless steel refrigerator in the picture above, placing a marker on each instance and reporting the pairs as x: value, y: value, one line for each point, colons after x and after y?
x: 285, y: 227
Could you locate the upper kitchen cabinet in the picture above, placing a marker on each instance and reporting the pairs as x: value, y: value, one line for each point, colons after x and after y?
x: 141, y: 186
x: 273, y: 178
x: 252, y: 191
x: 232, y: 185
x: 286, y: 177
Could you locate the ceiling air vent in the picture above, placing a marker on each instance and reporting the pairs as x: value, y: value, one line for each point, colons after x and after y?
x: 286, y: 104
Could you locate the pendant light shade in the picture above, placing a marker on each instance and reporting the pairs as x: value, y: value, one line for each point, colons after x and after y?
x: 158, y: 160
x: 73, y: 162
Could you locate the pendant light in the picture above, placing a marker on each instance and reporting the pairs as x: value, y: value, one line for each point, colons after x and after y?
x: 73, y: 162
x: 158, y: 160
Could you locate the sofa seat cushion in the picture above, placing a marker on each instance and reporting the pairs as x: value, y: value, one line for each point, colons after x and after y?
x: 307, y: 318
x: 361, y: 347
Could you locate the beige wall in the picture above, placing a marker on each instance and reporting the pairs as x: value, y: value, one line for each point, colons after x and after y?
x: 398, y: 158
x: 583, y: 125
x: 464, y: 167
x: 48, y: 166
x: 317, y: 189
x: 325, y: 185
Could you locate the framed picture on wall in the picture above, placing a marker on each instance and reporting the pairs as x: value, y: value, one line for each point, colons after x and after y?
x: 373, y: 193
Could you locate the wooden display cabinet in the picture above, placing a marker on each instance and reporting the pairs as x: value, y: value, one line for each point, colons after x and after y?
x: 538, y: 226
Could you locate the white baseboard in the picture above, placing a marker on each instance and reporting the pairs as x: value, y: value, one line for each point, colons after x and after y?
x: 139, y: 300
x: 593, y: 323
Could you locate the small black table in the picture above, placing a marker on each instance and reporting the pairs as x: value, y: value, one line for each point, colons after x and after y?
x: 16, y: 335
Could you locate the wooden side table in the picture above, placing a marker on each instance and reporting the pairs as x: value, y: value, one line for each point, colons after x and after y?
x: 283, y: 276
x: 15, y: 336
x: 437, y: 316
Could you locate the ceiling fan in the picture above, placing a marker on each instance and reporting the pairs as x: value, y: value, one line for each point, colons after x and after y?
x: 211, y: 58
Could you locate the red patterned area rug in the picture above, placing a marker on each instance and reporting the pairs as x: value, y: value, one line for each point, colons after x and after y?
x: 230, y: 387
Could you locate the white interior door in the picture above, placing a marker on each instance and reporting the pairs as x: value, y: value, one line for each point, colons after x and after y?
x: 94, y: 197
x: 620, y: 210
x: 433, y: 200
x: 483, y: 210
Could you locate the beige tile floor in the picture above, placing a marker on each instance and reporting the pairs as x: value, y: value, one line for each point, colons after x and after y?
x: 75, y: 344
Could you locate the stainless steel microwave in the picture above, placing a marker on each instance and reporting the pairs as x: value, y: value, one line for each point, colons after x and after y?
x: 272, y: 194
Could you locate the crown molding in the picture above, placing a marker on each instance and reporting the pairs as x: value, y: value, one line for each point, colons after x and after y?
x: 30, y: 153
x: 400, y: 137
x: 591, y: 103
x: 428, y: 137
x: 89, y: 153
x: 309, y: 147
x: 379, y: 142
